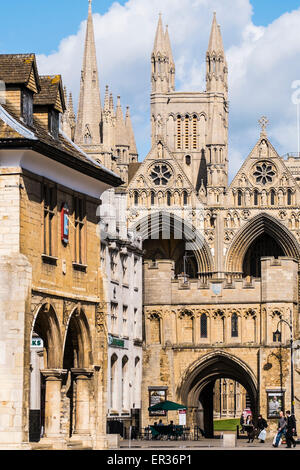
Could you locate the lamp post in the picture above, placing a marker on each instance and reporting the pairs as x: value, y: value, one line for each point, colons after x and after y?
x: 277, y: 338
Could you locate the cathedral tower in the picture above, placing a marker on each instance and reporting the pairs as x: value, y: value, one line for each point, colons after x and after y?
x: 193, y: 125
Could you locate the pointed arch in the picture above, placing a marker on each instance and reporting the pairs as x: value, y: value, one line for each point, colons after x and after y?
x: 46, y: 325
x: 261, y: 224
x: 77, y: 342
x: 165, y: 222
x: 210, y: 367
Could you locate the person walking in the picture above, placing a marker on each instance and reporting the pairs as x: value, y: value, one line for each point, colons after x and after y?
x: 290, y: 429
x: 249, y: 426
x: 261, y: 427
x: 281, y: 429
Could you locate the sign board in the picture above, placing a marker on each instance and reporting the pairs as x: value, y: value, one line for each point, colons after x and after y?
x: 117, y: 342
x: 275, y: 403
x: 182, y: 417
x: 65, y: 223
x: 37, y: 343
x: 157, y: 396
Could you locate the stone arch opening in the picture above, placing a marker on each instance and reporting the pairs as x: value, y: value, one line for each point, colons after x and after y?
x: 197, y: 387
x: 269, y: 229
x: 263, y: 245
x: 45, y: 353
x: 77, y: 362
x: 167, y: 236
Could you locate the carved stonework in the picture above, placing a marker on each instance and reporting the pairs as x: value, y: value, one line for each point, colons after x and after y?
x: 228, y: 236
x: 250, y: 312
x: 68, y: 307
x: 154, y: 315
x: 100, y: 319
x: 209, y: 235
x: 184, y: 312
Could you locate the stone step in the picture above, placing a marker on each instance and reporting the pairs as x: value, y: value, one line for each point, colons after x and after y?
x: 38, y: 446
x: 78, y: 445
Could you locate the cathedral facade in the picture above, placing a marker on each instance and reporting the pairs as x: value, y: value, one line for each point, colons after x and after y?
x: 220, y: 260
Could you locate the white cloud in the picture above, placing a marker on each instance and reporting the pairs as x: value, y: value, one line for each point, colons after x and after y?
x: 263, y: 62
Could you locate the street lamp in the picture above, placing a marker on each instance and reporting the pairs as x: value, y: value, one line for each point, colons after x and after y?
x: 277, y: 338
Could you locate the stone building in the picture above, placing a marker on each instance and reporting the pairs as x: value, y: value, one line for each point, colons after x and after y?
x: 53, y: 345
x: 230, y: 399
x: 221, y: 260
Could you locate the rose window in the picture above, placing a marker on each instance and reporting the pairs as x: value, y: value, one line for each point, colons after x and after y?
x: 264, y: 173
x: 160, y: 174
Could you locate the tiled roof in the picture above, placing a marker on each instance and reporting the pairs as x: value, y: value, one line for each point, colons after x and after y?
x: 16, y: 68
x: 50, y: 87
x: 60, y: 149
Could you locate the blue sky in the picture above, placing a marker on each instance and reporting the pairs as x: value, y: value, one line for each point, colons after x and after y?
x: 39, y: 25
x: 261, y: 39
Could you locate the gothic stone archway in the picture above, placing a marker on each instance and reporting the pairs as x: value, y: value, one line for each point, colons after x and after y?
x: 198, y: 382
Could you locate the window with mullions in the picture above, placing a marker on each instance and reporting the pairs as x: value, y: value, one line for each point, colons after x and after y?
x: 49, y: 197
x: 79, y: 215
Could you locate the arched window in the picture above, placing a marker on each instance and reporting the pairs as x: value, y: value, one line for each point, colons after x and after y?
x: 113, y: 382
x: 179, y: 132
x: 185, y: 198
x: 195, y: 132
x: 203, y: 325
x: 188, y: 159
x: 234, y: 326
x: 125, y: 384
x: 168, y: 198
x: 186, y: 132
x: 255, y: 197
x: 272, y: 198
x: 289, y: 197
x: 136, y: 198
x: 240, y: 195
x: 152, y: 198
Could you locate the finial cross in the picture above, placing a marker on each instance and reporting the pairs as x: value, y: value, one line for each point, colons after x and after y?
x: 263, y: 121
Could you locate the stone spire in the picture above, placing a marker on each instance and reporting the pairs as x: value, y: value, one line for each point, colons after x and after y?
x: 132, y: 144
x: 171, y: 63
x: 72, y: 117
x: 159, y: 59
x: 216, y: 65
x: 89, y: 109
x: 159, y: 41
x: 121, y: 138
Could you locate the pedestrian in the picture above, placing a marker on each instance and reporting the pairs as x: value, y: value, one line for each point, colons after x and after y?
x: 290, y: 430
x: 243, y: 422
x: 249, y: 426
x: 261, y: 428
x: 281, y: 429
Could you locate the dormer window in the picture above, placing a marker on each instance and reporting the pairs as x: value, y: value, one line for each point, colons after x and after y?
x: 27, y: 106
x: 53, y: 123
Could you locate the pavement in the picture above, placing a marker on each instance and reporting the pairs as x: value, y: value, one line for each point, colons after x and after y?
x: 205, y: 444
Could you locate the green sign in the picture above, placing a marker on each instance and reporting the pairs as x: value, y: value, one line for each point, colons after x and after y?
x: 119, y: 343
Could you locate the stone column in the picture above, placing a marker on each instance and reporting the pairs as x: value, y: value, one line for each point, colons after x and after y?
x: 53, y: 379
x: 82, y: 402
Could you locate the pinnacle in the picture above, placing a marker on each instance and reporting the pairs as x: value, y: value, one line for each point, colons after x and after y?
x: 215, y: 40
x: 159, y: 42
